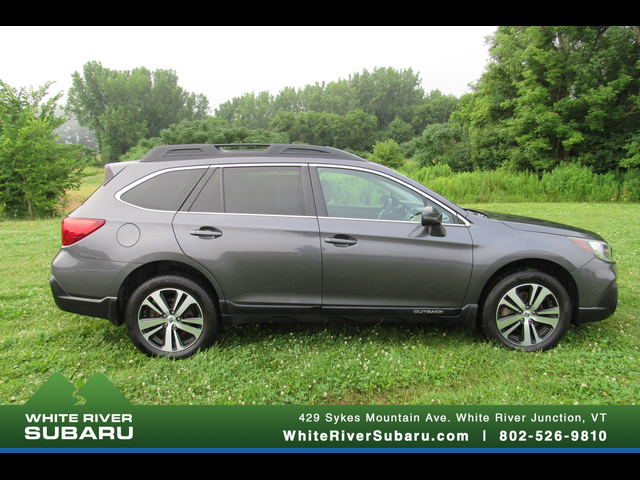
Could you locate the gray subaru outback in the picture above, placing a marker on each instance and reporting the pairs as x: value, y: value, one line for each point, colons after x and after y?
x: 193, y: 238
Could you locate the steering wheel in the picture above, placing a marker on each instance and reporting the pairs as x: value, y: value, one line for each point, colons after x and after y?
x: 386, y: 209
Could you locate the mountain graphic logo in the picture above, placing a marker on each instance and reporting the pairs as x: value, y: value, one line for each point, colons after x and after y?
x: 98, y: 391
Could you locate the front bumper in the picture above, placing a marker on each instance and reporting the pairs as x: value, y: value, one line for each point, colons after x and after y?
x: 605, y: 308
x: 598, y: 291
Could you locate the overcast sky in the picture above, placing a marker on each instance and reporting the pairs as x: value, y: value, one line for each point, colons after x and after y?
x: 226, y: 62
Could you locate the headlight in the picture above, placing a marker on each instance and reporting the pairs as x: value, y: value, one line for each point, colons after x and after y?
x: 600, y: 249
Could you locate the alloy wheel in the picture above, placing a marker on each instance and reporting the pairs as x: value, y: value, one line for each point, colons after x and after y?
x: 527, y: 315
x: 170, y: 319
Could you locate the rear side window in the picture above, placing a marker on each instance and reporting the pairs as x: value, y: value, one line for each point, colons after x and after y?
x: 263, y: 190
x: 166, y: 191
x: 210, y: 198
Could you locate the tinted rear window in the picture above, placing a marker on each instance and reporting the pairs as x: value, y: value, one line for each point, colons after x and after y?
x: 166, y: 191
x: 264, y: 190
x: 210, y: 199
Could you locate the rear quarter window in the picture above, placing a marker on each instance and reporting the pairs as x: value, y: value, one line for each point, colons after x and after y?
x: 166, y: 191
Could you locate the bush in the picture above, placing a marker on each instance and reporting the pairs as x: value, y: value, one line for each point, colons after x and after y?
x: 35, y: 171
x: 631, y: 186
x: 386, y: 153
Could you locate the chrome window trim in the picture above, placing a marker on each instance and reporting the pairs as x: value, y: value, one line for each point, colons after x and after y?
x: 249, y: 214
x: 390, y: 221
x: 124, y: 190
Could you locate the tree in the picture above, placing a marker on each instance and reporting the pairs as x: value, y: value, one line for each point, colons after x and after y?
x: 358, y: 132
x: 122, y: 107
x: 316, y: 128
x: 556, y: 94
x: 399, y: 130
x: 288, y: 100
x: 249, y: 111
x: 437, y: 109
x: 386, y: 153
x: 387, y: 94
x: 355, y: 131
x: 443, y: 143
x: 35, y: 171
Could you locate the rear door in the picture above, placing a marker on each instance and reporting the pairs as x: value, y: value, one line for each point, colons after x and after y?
x: 254, y: 228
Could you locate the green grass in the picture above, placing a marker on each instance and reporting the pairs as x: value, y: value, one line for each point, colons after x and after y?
x: 323, y: 364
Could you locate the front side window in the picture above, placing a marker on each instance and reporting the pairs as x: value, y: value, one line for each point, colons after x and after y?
x: 358, y: 194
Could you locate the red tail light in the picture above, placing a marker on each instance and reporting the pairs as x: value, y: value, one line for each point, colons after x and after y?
x: 75, y: 229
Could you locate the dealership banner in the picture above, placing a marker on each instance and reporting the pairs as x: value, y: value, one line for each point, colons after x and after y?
x: 51, y: 420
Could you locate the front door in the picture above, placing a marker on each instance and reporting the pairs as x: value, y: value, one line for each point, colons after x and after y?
x: 376, y: 253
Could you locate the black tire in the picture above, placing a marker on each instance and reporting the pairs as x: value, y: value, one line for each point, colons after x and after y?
x: 527, y: 311
x: 171, y: 316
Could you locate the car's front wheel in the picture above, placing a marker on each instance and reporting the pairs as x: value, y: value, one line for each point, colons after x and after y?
x: 171, y: 316
x: 527, y: 310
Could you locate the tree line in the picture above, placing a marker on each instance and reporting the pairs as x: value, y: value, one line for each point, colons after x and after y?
x: 550, y: 96
x: 350, y: 113
x: 353, y: 114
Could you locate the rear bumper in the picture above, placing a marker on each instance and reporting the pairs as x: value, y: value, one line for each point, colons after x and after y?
x: 101, y: 308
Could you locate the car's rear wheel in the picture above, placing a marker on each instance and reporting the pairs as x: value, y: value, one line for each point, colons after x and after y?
x: 171, y: 316
x: 527, y: 310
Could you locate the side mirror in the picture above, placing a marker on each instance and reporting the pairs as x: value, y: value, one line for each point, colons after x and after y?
x: 431, y: 216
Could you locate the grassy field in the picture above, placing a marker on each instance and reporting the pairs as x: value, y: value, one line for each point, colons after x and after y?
x: 334, y: 364
x: 94, y: 178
